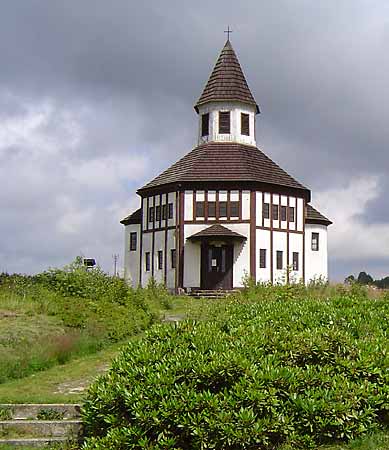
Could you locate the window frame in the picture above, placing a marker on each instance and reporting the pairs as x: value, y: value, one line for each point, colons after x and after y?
x: 164, y: 212
x: 212, y: 210
x: 224, y: 123
x: 295, y: 261
x: 170, y: 211
x: 279, y: 260
x: 147, y: 262
x: 205, y: 124
x: 200, y: 205
x: 173, y: 258
x: 245, y: 124
x: 235, y: 205
x: 262, y: 258
x: 158, y: 213
x: 291, y: 214
x: 132, y: 246
x: 160, y: 259
x: 223, y: 205
x: 275, y: 208
x: 315, y: 237
x: 284, y: 213
x: 151, y: 214
x: 266, y: 211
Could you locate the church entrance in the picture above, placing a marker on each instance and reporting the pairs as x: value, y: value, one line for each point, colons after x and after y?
x: 216, y: 266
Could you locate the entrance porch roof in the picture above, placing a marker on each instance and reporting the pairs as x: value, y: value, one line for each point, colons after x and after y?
x: 217, y: 231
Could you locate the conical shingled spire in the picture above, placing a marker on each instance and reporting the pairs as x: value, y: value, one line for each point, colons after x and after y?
x: 227, y: 81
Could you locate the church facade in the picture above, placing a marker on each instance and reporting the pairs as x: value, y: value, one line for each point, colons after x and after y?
x: 225, y: 211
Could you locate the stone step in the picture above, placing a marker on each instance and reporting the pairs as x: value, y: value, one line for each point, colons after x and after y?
x: 204, y: 293
x: 33, y: 410
x: 70, y: 429
x: 33, y: 442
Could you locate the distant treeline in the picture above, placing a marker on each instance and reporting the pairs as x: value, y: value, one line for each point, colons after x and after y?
x: 366, y: 279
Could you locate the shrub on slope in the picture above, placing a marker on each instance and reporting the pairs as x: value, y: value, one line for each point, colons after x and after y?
x: 258, y: 376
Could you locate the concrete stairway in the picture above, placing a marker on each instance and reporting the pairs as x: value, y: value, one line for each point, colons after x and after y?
x: 204, y: 293
x: 39, y: 425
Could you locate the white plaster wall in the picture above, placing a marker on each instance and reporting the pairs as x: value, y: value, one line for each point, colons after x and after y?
x: 316, y: 263
x: 159, y: 244
x: 188, y: 215
x: 145, y: 213
x: 279, y: 243
x: 246, y: 205
x: 147, y: 239
x: 258, y: 200
x: 300, y: 214
x: 172, y: 199
x: 131, y: 258
x: 263, y: 241
x: 296, y: 245
x: 241, y: 253
x: 236, y: 109
x: 171, y: 273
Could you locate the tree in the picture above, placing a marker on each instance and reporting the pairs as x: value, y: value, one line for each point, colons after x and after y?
x: 364, y: 278
x: 349, y: 280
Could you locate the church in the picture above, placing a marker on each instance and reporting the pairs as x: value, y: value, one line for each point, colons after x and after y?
x: 225, y: 211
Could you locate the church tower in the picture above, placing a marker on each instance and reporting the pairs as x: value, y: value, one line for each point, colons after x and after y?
x: 226, y: 107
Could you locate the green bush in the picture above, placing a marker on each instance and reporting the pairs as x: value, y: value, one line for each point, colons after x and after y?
x: 265, y: 373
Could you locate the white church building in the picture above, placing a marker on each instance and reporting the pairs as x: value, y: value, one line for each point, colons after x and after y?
x: 225, y: 210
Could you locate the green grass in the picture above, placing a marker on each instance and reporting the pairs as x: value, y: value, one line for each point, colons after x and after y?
x: 46, y: 386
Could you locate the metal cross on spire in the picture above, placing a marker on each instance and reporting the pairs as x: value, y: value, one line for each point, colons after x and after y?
x: 228, y: 31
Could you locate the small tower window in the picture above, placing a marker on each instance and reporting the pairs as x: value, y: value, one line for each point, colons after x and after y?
x: 245, y: 124
x: 224, y: 122
x: 205, y: 125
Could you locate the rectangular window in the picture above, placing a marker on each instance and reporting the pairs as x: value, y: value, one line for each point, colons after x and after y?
x: 291, y: 214
x: 160, y: 259
x: 170, y: 211
x: 224, y: 122
x: 280, y: 265
x: 283, y: 213
x: 295, y: 261
x: 266, y: 211
x: 200, y: 209
x: 275, y: 212
x: 151, y: 214
x: 133, y: 241
x: 173, y: 258
x: 147, y: 261
x: 211, y: 209
x: 164, y: 210
x: 245, y: 124
x: 157, y: 213
x: 222, y: 209
x: 234, y: 209
x: 262, y: 258
x: 315, y: 242
x: 205, y: 125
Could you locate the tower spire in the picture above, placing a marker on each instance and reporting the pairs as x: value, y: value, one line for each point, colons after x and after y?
x: 227, y: 81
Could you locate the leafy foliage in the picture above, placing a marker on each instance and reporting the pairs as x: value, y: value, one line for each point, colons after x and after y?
x: 276, y: 366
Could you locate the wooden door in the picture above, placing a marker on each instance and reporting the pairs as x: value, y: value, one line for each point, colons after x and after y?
x: 216, y: 267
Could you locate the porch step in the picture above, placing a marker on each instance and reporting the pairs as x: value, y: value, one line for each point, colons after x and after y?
x: 206, y: 293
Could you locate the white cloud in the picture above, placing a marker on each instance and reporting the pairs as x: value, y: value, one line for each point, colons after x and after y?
x: 351, y: 238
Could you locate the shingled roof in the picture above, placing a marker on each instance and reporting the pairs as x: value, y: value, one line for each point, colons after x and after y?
x: 133, y: 218
x: 227, y: 81
x: 314, y: 216
x: 225, y: 161
x: 214, y: 231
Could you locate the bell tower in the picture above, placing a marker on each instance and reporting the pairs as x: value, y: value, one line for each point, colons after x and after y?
x: 227, y: 108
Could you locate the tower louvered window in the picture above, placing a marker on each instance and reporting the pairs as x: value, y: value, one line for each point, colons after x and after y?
x: 224, y: 122
x: 205, y: 125
x: 245, y: 124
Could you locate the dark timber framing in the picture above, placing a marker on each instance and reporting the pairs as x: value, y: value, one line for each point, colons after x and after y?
x: 253, y: 233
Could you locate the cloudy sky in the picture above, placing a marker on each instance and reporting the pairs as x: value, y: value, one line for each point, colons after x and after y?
x: 96, y: 98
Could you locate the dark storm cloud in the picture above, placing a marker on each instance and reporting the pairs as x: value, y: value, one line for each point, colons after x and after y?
x: 124, y: 76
